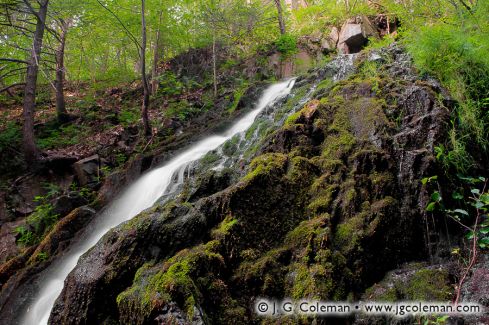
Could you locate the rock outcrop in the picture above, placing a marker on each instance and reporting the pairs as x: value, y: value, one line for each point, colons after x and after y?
x: 355, y: 33
x: 330, y: 204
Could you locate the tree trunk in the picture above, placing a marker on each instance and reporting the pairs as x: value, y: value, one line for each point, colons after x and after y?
x: 214, y: 59
x: 281, y: 23
x: 146, y: 102
x: 60, y: 74
x: 31, y: 151
x: 156, y: 57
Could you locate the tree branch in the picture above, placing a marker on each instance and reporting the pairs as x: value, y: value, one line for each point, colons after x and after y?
x: 133, y: 38
x: 13, y: 60
x: 12, y: 86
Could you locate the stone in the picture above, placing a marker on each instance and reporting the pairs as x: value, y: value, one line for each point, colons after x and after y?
x: 87, y: 170
x: 8, y: 245
x: 334, y: 35
x: 327, y: 45
x: 354, y: 34
x: 66, y: 203
x: 476, y: 289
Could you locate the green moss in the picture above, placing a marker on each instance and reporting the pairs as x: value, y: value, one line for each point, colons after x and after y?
x: 266, y: 274
x: 314, y: 282
x: 230, y: 146
x: 291, y: 103
x: 350, y: 232
x: 210, y: 158
x: 238, y: 93
x: 323, y: 199
x: 316, y: 228
x: 265, y: 164
x: 415, y: 282
x: 292, y: 118
x: 301, y: 170
x: 324, y: 84
x: 181, y: 279
x: 224, y: 227
x: 339, y: 141
x: 427, y: 285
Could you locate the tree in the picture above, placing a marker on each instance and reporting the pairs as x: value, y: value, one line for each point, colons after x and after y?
x: 156, y: 54
x: 146, y: 92
x: 281, y: 23
x: 60, y: 70
x: 31, y: 151
x: 141, y: 48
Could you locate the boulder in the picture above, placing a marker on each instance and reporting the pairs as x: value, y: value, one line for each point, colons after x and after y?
x: 327, y: 45
x: 355, y: 33
x: 87, y: 170
x: 334, y: 35
x: 66, y: 203
x: 8, y: 244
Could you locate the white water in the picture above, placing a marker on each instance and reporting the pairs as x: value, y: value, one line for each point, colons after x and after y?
x: 139, y: 196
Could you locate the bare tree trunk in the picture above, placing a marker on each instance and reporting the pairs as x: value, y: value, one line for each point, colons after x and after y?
x: 60, y: 74
x: 214, y: 59
x: 31, y: 151
x: 156, y: 57
x: 146, y: 102
x: 281, y: 23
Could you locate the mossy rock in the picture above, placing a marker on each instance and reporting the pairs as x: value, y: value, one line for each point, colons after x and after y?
x: 414, y: 282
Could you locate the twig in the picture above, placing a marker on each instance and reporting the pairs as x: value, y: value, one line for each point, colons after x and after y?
x: 473, y: 254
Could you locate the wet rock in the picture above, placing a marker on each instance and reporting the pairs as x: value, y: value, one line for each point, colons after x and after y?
x: 332, y: 202
x: 210, y: 183
x: 87, y: 170
x: 412, y: 282
x: 171, y: 314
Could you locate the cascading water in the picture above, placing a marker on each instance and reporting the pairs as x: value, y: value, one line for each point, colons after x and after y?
x: 137, y: 197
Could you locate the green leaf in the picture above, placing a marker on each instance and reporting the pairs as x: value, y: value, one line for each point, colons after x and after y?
x: 431, y: 206
x: 470, y: 235
x: 485, y: 198
x: 485, y: 240
x: 460, y: 211
x: 457, y: 196
x: 475, y: 191
x: 484, y: 231
x: 436, y: 197
x: 479, y: 205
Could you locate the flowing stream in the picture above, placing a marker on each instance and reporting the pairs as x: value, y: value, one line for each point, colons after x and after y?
x: 139, y: 196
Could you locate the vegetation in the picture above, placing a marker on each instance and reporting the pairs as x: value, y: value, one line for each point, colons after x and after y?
x: 123, y: 81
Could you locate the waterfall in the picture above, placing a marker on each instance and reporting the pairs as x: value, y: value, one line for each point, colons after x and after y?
x: 140, y: 195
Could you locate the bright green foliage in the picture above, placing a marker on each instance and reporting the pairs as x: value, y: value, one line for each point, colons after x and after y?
x: 450, y: 42
x: 473, y: 200
x: 39, y: 222
x: 286, y: 44
x: 61, y: 136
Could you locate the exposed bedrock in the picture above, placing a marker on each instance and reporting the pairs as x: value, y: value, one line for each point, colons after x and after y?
x: 332, y: 202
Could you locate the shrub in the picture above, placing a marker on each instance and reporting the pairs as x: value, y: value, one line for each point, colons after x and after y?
x: 286, y: 44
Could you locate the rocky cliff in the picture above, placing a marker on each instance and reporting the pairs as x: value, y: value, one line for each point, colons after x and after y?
x: 330, y: 203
